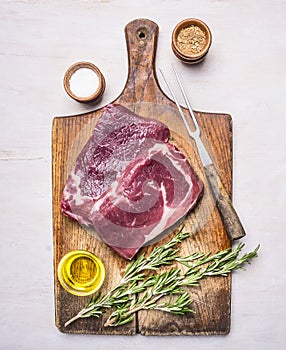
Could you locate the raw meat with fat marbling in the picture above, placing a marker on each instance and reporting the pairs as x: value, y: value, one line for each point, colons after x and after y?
x: 128, y: 182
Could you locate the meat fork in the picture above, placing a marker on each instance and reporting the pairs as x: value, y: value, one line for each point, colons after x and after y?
x: 227, y: 212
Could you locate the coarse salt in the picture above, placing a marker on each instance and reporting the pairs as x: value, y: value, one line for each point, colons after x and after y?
x: 84, y: 82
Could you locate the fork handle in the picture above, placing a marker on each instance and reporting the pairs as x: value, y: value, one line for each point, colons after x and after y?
x: 228, y: 214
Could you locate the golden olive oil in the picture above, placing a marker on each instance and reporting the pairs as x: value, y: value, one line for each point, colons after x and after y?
x: 81, y: 272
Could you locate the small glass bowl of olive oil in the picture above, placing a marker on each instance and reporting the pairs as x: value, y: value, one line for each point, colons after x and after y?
x: 81, y: 272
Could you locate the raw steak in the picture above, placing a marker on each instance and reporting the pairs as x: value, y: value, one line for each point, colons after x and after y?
x: 129, y: 183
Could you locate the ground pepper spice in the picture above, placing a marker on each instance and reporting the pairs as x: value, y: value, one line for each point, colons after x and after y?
x: 191, y: 40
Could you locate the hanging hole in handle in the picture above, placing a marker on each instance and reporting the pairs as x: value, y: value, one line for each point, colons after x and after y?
x: 141, y: 34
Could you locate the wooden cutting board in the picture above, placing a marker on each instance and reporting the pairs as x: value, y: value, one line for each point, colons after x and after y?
x: 69, y: 134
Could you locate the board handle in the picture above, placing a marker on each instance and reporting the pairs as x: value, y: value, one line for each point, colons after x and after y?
x: 228, y: 214
x: 141, y: 39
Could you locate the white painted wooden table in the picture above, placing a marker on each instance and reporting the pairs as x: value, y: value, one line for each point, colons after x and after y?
x: 244, y: 75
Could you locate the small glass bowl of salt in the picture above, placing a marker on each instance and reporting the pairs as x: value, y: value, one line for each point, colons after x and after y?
x: 84, y: 82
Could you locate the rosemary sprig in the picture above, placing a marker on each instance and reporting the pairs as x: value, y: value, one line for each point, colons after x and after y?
x: 137, y: 291
x: 172, y: 282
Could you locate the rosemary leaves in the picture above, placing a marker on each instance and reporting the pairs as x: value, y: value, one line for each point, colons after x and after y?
x: 138, y: 290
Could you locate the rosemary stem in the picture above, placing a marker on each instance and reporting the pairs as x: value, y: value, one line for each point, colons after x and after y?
x: 79, y: 315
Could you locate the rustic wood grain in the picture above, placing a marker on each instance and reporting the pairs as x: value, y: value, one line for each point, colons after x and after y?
x: 143, y: 95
